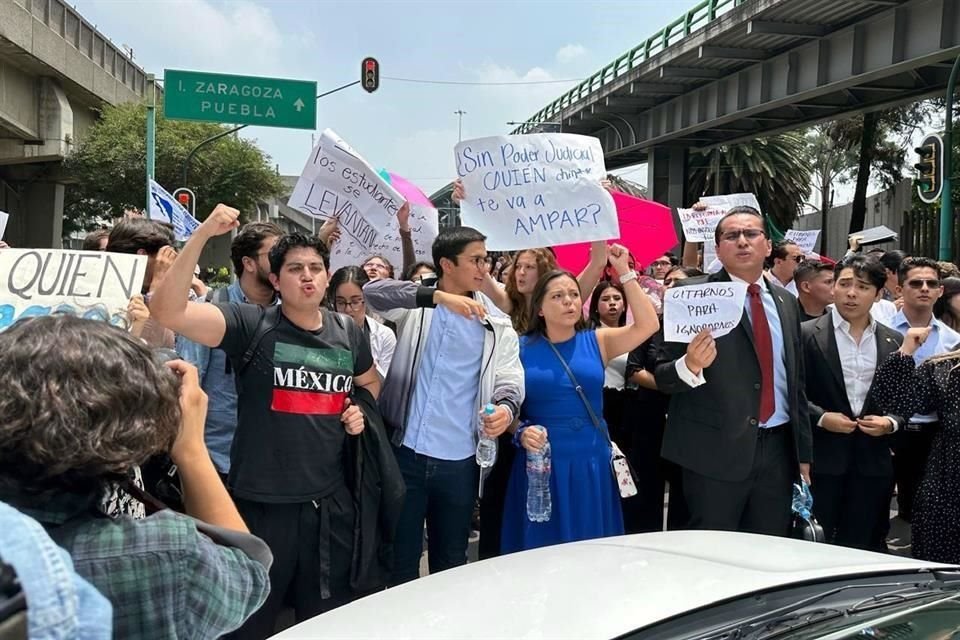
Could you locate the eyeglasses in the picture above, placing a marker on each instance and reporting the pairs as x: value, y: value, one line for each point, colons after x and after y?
x: 353, y: 303
x: 661, y: 263
x: 798, y: 258
x: 477, y: 262
x: 749, y: 234
x: 918, y: 284
x: 374, y: 265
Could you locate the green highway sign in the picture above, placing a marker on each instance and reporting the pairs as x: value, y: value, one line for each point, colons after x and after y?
x: 218, y: 97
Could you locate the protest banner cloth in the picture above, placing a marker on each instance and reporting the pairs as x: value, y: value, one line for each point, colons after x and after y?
x: 805, y: 240
x: 3, y: 223
x: 337, y: 182
x: 646, y: 230
x: 698, y: 226
x: 717, y: 306
x: 89, y: 284
x: 535, y: 190
x: 164, y: 207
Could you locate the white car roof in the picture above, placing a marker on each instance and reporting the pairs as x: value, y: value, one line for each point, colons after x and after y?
x: 592, y: 589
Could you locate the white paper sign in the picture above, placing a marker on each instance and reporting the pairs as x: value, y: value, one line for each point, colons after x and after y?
x: 338, y: 183
x: 89, y: 284
x: 164, y: 206
x: 698, y: 226
x: 3, y: 223
x: 535, y: 190
x: 717, y: 306
x: 805, y: 240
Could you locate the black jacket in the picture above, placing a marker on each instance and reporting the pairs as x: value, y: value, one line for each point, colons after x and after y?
x: 834, y: 453
x: 378, y: 493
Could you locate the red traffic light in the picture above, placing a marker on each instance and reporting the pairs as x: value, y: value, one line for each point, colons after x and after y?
x: 183, y: 198
x: 370, y: 74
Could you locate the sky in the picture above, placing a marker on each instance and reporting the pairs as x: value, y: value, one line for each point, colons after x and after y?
x: 408, y: 128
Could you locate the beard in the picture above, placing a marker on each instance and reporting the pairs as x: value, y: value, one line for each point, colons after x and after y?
x: 263, y: 278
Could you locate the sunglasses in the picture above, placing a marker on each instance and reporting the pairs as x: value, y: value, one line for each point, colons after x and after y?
x: 749, y: 234
x: 918, y: 284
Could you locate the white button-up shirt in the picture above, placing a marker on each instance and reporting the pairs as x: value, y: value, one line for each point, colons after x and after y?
x: 857, y: 360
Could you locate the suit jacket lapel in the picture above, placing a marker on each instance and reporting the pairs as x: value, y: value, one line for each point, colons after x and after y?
x: 826, y: 341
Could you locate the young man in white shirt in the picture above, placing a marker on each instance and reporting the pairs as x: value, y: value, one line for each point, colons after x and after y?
x: 852, y: 469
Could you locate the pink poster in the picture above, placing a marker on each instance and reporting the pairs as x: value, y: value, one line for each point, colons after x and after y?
x: 646, y: 229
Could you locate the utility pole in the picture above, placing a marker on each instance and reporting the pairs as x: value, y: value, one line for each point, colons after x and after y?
x: 151, y: 135
x: 460, y: 113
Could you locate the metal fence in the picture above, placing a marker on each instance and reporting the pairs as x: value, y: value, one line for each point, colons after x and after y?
x: 920, y: 232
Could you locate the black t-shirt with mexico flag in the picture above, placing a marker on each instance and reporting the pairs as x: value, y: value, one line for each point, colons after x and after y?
x: 289, y: 442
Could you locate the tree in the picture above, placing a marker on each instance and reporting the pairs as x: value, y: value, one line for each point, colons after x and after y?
x: 883, y: 139
x: 774, y: 169
x: 108, y: 168
x: 831, y: 161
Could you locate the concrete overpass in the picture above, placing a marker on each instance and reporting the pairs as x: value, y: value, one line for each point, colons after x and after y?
x: 732, y: 70
x: 56, y: 70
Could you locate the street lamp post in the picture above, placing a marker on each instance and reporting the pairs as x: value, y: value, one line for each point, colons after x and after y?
x: 460, y: 113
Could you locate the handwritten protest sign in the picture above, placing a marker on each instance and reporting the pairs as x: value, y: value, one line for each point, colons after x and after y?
x: 535, y: 190
x: 337, y: 182
x: 89, y: 284
x: 717, y: 306
x: 805, y: 240
x: 698, y: 226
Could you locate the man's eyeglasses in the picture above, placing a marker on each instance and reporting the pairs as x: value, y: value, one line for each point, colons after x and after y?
x: 798, y: 258
x: 477, y: 261
x: 377, y: 266
x: 918, y: 284
x: 661, y: 263
x: 353, y: 303
x: 749, y: 234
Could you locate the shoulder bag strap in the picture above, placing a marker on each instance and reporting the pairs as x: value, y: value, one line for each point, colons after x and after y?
x: 579, y: 389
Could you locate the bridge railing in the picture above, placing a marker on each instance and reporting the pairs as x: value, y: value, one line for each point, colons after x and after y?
x: 701, y: 15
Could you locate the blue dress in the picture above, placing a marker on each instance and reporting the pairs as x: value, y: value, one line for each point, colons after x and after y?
x: 586, y: 502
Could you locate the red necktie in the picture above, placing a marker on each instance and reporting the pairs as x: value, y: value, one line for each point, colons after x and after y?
x: 764, y: 346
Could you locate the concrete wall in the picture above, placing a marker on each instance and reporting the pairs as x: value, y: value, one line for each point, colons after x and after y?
x: 885, y: 208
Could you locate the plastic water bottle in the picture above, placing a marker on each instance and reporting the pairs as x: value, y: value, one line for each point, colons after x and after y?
x: 486, y: 446
x: 539, y: 503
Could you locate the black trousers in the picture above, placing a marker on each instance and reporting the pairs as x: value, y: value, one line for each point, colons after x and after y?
x: 494, y: 498
x: 312, y: 549
x: 853, y: 509
x: 758, y: 504
x: 909, y: 462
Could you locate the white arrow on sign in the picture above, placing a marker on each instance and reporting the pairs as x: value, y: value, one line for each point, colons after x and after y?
x: 298, y: 104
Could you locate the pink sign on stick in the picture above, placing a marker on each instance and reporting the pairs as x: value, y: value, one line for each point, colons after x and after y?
x: 646, y: 229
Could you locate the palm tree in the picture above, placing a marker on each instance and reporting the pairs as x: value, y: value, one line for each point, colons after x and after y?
x: 774, y: 169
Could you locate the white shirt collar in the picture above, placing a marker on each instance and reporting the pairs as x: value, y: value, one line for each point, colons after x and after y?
x: 759, y: 281
x: 840, y: 323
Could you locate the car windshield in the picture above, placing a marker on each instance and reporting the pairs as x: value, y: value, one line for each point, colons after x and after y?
x: 933, y: 618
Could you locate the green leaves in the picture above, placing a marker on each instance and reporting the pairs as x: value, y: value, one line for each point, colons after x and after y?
x: 108, y: 168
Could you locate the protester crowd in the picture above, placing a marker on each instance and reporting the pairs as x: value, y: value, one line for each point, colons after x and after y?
x: 285, y: 441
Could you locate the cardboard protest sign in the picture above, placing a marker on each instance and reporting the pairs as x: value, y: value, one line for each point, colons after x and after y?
x: 337, y: 182
x: 89, y: 284
x: 646, y: 229
x: 424, y: 224
x: 164, y: 206
x: 805, y: 240
x: 717, y: 306
x: 698, y: 226
x: 535, y: 190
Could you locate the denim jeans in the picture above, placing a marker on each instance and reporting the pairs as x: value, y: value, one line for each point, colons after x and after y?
x: 444, y: 493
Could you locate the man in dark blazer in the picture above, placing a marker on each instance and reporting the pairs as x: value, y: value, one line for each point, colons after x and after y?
x: 737, y: 423
x: 852, y: 469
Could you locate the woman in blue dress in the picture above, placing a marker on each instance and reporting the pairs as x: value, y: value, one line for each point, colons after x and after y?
x: 586, y: 501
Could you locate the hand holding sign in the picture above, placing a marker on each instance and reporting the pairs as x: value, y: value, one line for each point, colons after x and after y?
x: 714, y: 306
x: 701, y: 352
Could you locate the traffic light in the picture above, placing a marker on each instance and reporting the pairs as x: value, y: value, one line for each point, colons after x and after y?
x: 187, y: 199
x: 929, y: 168
x: 370, y: 74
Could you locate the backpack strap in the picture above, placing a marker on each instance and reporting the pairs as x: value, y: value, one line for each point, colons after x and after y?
x: 268, y: 322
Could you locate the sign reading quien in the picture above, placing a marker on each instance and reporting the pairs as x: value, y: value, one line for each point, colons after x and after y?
x: 88, y: 284
x: 337, y: 183
x: 715, y: 306
x: 535, y: 190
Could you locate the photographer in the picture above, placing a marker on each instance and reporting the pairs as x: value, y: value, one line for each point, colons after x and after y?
x: 85, y: 402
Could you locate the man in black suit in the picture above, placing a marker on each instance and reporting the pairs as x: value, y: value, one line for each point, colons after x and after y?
x: 852, y: 469
x: 737, y: 422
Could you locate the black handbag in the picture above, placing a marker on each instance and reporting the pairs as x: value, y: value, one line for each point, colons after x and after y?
x: 804, y: 525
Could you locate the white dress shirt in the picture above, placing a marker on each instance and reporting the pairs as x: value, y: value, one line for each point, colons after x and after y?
x: 790, y: 286
x: 382, y: 345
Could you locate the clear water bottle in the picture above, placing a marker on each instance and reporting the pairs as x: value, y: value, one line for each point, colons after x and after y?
x: 486, y: 446
x: 539, y: 503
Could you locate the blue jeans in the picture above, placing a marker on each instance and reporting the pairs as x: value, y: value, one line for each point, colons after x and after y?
x: 444, y: 493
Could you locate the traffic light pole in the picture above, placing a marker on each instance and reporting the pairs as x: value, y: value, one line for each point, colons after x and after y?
x: 151, y: 137
x: 193, y: 152
x: 946, y: 196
